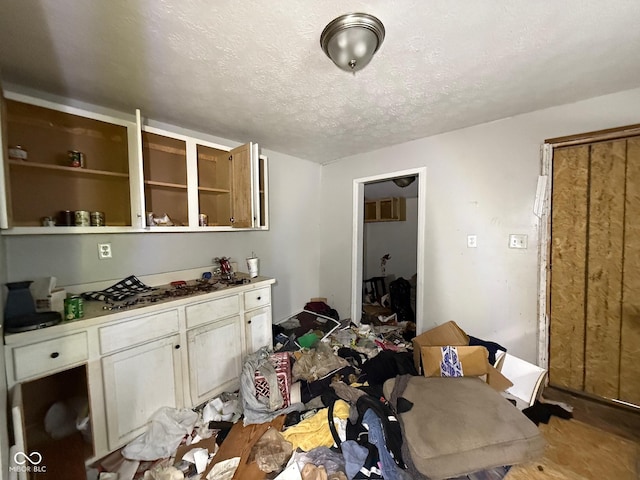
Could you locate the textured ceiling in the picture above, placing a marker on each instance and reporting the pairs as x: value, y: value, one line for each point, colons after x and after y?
x: 254, y: 70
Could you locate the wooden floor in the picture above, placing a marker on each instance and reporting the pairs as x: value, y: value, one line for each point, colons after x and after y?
x: 620, y: 420
x: 601, y: 442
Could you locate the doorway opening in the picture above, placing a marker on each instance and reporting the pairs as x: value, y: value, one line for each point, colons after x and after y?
x: 376, y: 185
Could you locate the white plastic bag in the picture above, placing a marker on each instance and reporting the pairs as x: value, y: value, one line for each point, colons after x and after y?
x: 165, y: 433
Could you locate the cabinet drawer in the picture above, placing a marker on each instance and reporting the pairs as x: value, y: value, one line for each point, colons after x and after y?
x: 212, y: 310
x: 138, y: 330
x: 48, y: 356
x: 257, y: 298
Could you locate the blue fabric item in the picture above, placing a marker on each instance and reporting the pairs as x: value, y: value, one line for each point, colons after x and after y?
x: 376, y: 436
x: 354, y: 457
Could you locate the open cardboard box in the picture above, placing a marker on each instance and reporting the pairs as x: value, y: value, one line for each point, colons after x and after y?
x: 450, y: 333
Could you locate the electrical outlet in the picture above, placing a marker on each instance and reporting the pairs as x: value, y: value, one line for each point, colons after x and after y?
x: 517, y: 241
x: 472, y: 241
x: 104, y: 251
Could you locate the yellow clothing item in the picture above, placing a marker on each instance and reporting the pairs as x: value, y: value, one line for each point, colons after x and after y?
x: 314, y: 431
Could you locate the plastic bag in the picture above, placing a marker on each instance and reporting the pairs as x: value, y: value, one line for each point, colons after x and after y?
x: 331, y: 460
x: 316, y: 363
x: 271, y: 451
x: 165, y: 433
x: 66, y: 417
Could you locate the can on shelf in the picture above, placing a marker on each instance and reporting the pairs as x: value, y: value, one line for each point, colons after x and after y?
x: 82, y: 218
x: 65, y: 218
x: 97, y: 219
x: 203, y: 219
x: 73, y: 307
x: 76, y: 159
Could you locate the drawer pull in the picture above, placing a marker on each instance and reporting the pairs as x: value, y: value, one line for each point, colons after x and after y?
x: 55, y: 355
x: 249, y: 322
x: 177, y: 347
x: 259, y: 298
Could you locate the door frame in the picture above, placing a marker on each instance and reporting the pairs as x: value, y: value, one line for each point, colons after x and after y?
x: 358, y: 239
x: 542, y: 208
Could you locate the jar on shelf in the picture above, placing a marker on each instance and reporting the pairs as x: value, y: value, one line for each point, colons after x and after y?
x: 18, y: 153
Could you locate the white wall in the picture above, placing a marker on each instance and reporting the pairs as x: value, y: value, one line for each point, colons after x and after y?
x: 480, y: 180
x: 288, y: 252
x: 398, y: 239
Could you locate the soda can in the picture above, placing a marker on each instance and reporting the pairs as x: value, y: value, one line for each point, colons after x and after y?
x: 203, y: 219
x: 73, y: 307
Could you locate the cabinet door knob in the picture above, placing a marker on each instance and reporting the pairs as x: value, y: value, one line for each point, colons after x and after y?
x: 249, y: 322
x: 55, y: 355
x: 259, y: 298
x: 177, y: 347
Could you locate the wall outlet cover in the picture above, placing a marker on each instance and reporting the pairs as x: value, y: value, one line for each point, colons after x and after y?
x: 104, y: 251
x: 517, y: 240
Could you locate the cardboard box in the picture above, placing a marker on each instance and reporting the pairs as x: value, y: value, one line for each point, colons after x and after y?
x: 450, y: 334
x: 473, y: 362
x: 454, y: 361
x: 446, y: 334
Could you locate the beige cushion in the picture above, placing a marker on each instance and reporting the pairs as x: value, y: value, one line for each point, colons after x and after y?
x: 461, y: 425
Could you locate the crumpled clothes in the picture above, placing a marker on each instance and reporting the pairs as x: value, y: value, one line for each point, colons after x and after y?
x: 314, y: 431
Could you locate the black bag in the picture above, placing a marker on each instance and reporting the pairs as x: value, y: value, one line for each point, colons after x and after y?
x: 400, y: 293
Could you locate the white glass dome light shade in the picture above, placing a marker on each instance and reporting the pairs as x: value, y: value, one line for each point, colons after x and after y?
x: 351, y: 40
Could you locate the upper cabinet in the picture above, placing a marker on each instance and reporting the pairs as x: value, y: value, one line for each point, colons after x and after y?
x: 393, y: 209
x: 60, y: 160
x: 192, y: 183
x: 66, y: 161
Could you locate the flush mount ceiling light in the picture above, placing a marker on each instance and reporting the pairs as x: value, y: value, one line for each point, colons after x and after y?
x: 404, y: 181
x: 351, y: 40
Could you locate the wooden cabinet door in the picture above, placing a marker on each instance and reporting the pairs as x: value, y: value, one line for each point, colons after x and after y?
x: 137, y: 382
x: 215, y: 358
x: 5, y: 193
x: 242, y: 185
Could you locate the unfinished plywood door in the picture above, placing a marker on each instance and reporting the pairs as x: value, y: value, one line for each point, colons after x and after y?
x: 595, y: 270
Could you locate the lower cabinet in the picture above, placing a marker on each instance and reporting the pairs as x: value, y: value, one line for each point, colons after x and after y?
x: 177, y: 355
x: 137, y: 382
x: 215, y: 358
